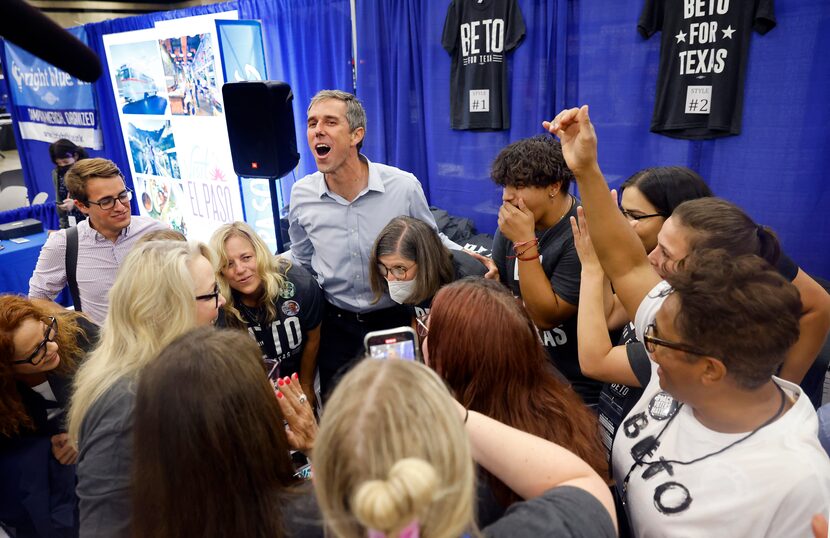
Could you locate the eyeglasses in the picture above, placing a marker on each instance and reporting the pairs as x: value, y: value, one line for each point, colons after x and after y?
x: 109, y: 202
x: 651, y: 342
x: 631, y: 216
x: 423, y: 328
x: 209, y: 296
x: 399, y: 271
x: 40, y: 352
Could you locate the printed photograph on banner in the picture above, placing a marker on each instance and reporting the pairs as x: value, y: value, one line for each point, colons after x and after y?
x: 139, y: 78
x: 162, y: 199
x: 190, y: 75
x: 152, y: 147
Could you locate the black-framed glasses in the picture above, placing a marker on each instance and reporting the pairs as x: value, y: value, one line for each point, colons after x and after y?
x: 423, y: 328
x: 651, y: 342
x: 399, y: 271
x: 108, y: 202
x: 209, y: 296
x: 633, y: 216
x: 40, y: 352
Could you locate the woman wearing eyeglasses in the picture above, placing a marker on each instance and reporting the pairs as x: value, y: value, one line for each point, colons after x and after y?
x: 39, y: 353
x: 715, y: 432
x: 650, y: 196
x: 410, y: 263
x: 163, y: 289
x: 279, y: 303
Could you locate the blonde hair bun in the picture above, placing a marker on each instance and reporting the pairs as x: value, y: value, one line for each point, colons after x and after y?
x: 390, y: 505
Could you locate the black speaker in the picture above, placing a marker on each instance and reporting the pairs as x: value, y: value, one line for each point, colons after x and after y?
x: 261, y: 128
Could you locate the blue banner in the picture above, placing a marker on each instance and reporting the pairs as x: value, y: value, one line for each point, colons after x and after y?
x: 49, y: 103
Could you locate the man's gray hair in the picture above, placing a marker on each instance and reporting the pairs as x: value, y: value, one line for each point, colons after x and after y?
x: 355, y: 114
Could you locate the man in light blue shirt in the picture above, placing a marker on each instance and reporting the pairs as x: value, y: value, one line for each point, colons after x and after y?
x: 335, y: 216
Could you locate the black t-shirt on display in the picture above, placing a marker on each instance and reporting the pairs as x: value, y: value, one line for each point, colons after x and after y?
x: 299, y: 309
x: 561, y: 265
x: 704, y: 51
x: 478, y: 34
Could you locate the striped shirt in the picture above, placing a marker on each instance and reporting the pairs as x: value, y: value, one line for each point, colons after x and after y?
x: 98, y: 262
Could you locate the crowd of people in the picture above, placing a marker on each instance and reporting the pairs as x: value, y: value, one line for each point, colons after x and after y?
x: 222, y: 390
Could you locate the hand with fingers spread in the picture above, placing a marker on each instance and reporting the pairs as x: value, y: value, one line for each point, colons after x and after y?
x: 579, y: 140
x: 492, y: 271
x: 582, y: 242
x: 63, y: 450
x: 517, y: 223
x: 301, y: 429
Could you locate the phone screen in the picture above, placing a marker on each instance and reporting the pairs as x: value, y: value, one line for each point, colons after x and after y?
x: 400, y: 343
x: 393, y: 350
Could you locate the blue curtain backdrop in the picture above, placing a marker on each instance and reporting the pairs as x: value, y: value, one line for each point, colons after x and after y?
x: 308, y: 44
x: 575, y: 51
x: 579, y: 51
x: 403, y: 79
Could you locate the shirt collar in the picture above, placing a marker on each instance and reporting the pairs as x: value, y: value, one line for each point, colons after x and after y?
x: 375, y: 182
x: 98, y: 237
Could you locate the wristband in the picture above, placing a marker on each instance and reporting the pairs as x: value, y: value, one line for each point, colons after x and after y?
x: 523, y: 243
x: 528, y: 258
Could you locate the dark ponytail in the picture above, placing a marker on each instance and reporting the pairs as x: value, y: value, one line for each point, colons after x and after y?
x: 770, y: 247
x: 718, y: 224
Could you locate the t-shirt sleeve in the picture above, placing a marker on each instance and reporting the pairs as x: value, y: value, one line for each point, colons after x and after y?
x: 764, y: 17
x: 466, y: 265
x: 515, y: 27
x: 567, y: 274
x: 786, y: 267
x: 649, y: 306
x: 309, y: 295
x: 651, y: 18
x: 639, y: 361
x: 807, y: 497
x: 500, y: 256
x: 565, y: 511
x: 449, y: 37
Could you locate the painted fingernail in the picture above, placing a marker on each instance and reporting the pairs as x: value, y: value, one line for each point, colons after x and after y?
x: 280, y: 396
x: 280, y: 383
x: 295, y: 377
x: 287, y: 381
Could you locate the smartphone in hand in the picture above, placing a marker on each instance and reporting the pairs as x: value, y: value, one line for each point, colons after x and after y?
x: 398, y: 343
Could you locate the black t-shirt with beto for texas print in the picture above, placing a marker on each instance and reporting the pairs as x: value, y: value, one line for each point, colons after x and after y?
x: 478, y: 34
x: 704, y: 51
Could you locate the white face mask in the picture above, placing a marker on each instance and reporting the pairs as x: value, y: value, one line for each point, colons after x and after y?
x: 401, y: 290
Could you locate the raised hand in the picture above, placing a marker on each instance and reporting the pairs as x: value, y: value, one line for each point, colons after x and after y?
x: 301, y: 429
x: 579, y: 140
x: 582, y: 242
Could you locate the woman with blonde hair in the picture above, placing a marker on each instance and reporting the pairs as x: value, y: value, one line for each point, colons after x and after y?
x: 163, y: 289
x: 399, y: 463
x: 279, y: 303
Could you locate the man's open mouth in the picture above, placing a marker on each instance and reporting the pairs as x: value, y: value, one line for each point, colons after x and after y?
x: 322, y: 149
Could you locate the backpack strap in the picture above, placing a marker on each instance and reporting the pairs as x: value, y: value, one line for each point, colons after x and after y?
x: 72, y: 266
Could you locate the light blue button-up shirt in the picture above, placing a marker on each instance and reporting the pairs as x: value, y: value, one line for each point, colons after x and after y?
x: 333, y: 237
